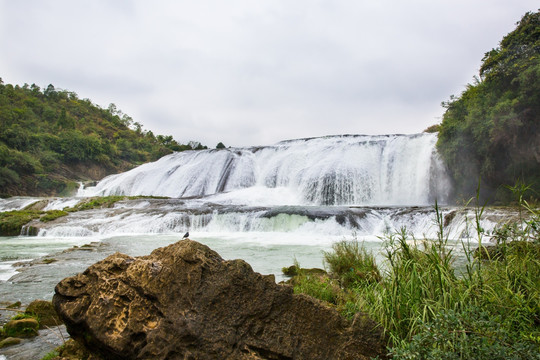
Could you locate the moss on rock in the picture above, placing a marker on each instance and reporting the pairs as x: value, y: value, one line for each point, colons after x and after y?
x: 11, y: 222
x: 9, y: 341
x: 21, y: 328
x: 45, y: 312
x: 15, y: 305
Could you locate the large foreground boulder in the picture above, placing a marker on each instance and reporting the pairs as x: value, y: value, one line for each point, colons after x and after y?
x: 185, y: 302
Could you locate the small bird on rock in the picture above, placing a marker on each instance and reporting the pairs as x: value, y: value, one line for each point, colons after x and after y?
x: 186, y: 235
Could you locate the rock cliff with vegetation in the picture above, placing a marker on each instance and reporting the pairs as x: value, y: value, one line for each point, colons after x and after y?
x: 50, y: 138
x: 492, y: 131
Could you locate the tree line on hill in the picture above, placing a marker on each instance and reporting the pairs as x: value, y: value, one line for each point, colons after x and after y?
x: 50, y: 137
x: 491, y: 132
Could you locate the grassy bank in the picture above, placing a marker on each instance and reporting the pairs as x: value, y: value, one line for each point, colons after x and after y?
x: 431, y: 310
x: 12, y: 222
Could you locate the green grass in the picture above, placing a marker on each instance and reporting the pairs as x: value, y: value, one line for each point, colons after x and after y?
x: 11, y: 222
x: 429, y: 309
x: 24, y: 316
x: 320, y: 287
x: 96, y: 202
x: 51, y: 355
x: 53, y: 215
x: 350, y: 262
x: 106, y: 202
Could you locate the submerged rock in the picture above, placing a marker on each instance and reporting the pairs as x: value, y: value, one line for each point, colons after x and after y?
x: 37, y: 347
x: 21, y: 328
x: 45, y: 313
x: 9, y: 342
x: 185, y: 302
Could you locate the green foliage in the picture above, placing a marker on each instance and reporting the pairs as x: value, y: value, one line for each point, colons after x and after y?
x: 469, y: 333
x: 11, y: 222
x: 220, y: 145
x: 98, y: 202
x: 350, y: 262
x: 49, y: 138
x: 105, y: 202
x: 418, y: 283
x: 433, y: 128
x: 490, y: 131
x: 51, y: 355
x: 24, y: 316
x: 21, y: 326
x: 320, y: 287
x: 429, y: 310
x: 53, y: 215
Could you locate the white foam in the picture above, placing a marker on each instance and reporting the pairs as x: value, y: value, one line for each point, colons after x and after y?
x: 7, y: 270
x: 61, y: 203
x: 338, y: 170
x: 16, y: 203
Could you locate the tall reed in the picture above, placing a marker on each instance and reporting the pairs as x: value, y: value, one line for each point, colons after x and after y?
x: 429, y: 310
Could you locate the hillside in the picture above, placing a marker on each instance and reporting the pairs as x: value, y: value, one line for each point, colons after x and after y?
x: 491, y: 131
x: 50, y: 139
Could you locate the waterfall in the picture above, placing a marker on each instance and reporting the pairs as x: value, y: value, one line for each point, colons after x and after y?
x: 334, y: 170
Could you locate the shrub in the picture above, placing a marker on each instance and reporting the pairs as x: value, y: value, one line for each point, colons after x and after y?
x: 470, y: 333
x: 320, y: 287
x: 350, y: 262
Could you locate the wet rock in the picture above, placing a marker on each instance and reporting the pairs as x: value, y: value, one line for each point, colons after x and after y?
x: 45, y: 312
x: 39, y: 346
x: 48, y: 261
x: 9, y: 342
x: 15, y: 305
x: 294, y: 270
x: 21, y: 328
x: 73, y: 350
x: 185, y: 302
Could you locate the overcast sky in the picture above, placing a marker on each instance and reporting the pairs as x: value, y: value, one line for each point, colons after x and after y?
x: 254, y: 72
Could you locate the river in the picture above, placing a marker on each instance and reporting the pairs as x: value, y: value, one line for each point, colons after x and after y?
x: 267, y: 205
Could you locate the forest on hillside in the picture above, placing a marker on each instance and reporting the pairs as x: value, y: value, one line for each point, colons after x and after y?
x: 50, y: 138
x: 491, y: 131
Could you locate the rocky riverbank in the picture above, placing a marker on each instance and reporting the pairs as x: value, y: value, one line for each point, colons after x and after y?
x: 30, y: 332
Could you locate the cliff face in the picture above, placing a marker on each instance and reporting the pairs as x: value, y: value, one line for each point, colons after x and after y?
x: 184, y: 301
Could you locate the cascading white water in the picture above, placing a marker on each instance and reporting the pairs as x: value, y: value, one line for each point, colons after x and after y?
x: 153, y: 216
x: 334, y: 170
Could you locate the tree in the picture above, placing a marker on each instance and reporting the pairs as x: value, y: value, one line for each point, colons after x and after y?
x: 49, y: 91
x: 491, y: 130
x: 50, y: 138
x: 220, y: 145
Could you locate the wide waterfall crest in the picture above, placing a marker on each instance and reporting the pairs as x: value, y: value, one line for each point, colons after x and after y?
x: 333, y: 170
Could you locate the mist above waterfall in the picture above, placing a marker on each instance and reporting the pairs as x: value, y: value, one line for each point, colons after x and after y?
x: 333, y: 170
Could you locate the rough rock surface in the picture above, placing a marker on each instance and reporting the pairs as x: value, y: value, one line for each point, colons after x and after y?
x: 184, y: 301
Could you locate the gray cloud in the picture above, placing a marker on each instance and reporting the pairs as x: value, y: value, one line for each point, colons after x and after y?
x: 249, y: 73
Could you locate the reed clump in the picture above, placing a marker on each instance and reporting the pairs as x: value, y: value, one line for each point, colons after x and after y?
x: 487, y: 309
